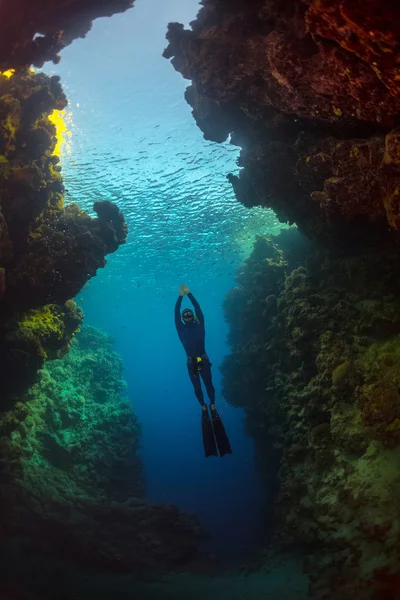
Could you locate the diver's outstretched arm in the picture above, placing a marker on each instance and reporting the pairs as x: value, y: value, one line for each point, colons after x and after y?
x: 178, y: 320
x: 198, y: 311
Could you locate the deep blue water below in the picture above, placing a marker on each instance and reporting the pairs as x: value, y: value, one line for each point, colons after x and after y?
x: 223, y: 492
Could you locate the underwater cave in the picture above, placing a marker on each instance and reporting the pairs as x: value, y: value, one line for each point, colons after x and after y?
x: 200, y: 300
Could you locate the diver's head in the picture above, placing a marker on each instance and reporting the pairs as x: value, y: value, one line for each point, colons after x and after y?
x: 187, y: 316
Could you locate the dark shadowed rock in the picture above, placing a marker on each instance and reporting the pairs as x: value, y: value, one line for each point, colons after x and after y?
x: 310, y: 91
x: 319, y: 381
x: 72, y: 480
x: 35, y: 32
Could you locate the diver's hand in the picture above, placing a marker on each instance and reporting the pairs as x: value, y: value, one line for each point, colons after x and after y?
x: 184, y: 290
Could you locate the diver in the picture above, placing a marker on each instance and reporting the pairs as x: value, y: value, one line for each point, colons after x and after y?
x: 191, y: 332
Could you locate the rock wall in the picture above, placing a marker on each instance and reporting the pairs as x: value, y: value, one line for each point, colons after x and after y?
x: 47, y: 251
x: 72, y: 481
x: 35, y: 32
x: 310, y: 91
x: 315, y: 339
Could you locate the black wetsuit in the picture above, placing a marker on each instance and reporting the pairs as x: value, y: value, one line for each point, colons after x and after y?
x: 192, y: 336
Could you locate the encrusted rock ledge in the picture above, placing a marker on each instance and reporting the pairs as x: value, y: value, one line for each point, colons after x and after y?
x: 310, y: 91
x: 34, y: 32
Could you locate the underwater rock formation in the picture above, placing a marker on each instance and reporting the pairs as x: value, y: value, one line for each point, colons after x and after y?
x: 35, y: 32
x: 310, y: 91
x: 47, y: 252
x: 72, y: 481
x: 315, y: 364
x: 30, y: 338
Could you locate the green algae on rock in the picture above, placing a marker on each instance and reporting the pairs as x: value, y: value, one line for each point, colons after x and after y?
x: 47, y: 251
x: 318, y: 378
x: 30, y: 338
x: 72, y: 480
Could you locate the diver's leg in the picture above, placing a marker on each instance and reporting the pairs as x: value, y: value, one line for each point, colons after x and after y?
x: 223, y: 444
x: 195, y: 379
x: 207, y: 378
x: 209, y: 443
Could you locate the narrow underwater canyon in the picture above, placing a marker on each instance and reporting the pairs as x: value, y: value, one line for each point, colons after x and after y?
x: 309, y: 92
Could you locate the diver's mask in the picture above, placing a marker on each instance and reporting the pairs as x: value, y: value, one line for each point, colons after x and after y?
x: 187, y: 315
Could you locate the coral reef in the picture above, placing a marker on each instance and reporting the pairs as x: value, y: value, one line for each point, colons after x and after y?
x: 35, y: 32
x: 72, y: 481
x: 47, y: 251
x: 29, y: 339
x: 315, y: 337
x: 310, y: 91
x: 30, y: 178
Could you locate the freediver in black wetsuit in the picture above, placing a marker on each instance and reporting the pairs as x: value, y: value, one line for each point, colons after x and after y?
x: 191, y: 332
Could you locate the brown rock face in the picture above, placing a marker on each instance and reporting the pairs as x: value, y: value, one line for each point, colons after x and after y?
x: 310, y: 91
x: 35, y: 32
x: 369, y: 30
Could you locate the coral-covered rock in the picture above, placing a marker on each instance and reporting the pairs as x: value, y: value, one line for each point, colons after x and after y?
x: 366, y: 29
x: 72, y: 481
x: 316, y: 369
x: 28, y: 339
x: 47, y: 252
x: 30, y: 179
x: 63, y: 251
x: 310, y: 91
x: 113, y: 229
x: 260, y: 57
x: 35, y: 32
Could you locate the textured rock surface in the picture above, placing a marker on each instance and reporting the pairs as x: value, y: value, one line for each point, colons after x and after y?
x: 315, y: 363
x: 71, y: 478
x: 28, y: 339
x: 34, y: 32
x: 47, y: 252
x: 310, y: 91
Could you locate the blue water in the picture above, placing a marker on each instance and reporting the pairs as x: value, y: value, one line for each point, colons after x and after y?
x: 135, y: 142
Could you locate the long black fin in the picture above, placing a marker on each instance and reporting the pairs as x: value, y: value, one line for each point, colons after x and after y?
x: 223, y: 444
x: 210, y: 447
